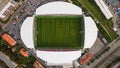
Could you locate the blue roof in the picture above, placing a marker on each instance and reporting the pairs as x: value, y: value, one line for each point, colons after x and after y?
x: 118, y: 11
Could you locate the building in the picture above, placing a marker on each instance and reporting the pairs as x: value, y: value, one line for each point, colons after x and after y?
x: 6, y: 8
x: 104, y: 8
x: 23, y: 52
x: 3, y: 3
x: 37, y: 64
x: 84, y: 59
x: 117, y: 65
x: 58, y: 9
x: 9, y: 39
x: 113, y: 3
x: 7, y: 60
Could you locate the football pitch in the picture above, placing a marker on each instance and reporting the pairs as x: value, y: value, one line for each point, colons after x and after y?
x: 59, y: 31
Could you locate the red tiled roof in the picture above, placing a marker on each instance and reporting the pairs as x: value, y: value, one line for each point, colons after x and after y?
x: 86, y: 58
x: 9, y: 39
x: 23, y: 52
x: 37, y: 65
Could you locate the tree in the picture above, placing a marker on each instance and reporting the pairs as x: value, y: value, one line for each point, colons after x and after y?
x: 17, y: 0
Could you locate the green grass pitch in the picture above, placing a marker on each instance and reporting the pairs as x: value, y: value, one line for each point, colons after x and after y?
x: 59, y: 31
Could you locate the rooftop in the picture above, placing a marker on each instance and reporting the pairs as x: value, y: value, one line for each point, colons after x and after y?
x: 9, y: 39
x: 37, y: 64
x: 7, y: 60
x: 3, y: 3
x: 86, y: 58
x: 23, y: 52
x: 104, y: 8
x: 113, y: 3
x: 6, y: 6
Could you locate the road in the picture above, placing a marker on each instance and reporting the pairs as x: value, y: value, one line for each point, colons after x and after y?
x: 106, y: 58
x: 114, y: 47
x: 111, y: 58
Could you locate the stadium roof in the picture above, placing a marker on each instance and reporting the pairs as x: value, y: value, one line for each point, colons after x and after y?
x: 59, y: 58
x: 27, y: 32
x: 58, y: 8
x: 90, y: 32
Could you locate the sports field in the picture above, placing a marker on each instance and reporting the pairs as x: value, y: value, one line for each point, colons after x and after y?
x: 59, y: 31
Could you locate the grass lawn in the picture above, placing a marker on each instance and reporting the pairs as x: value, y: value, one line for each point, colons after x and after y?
x: 104, y: 26
x: 59, y: 32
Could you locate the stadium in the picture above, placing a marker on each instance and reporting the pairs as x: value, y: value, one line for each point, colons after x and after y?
x: 58, y: 32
